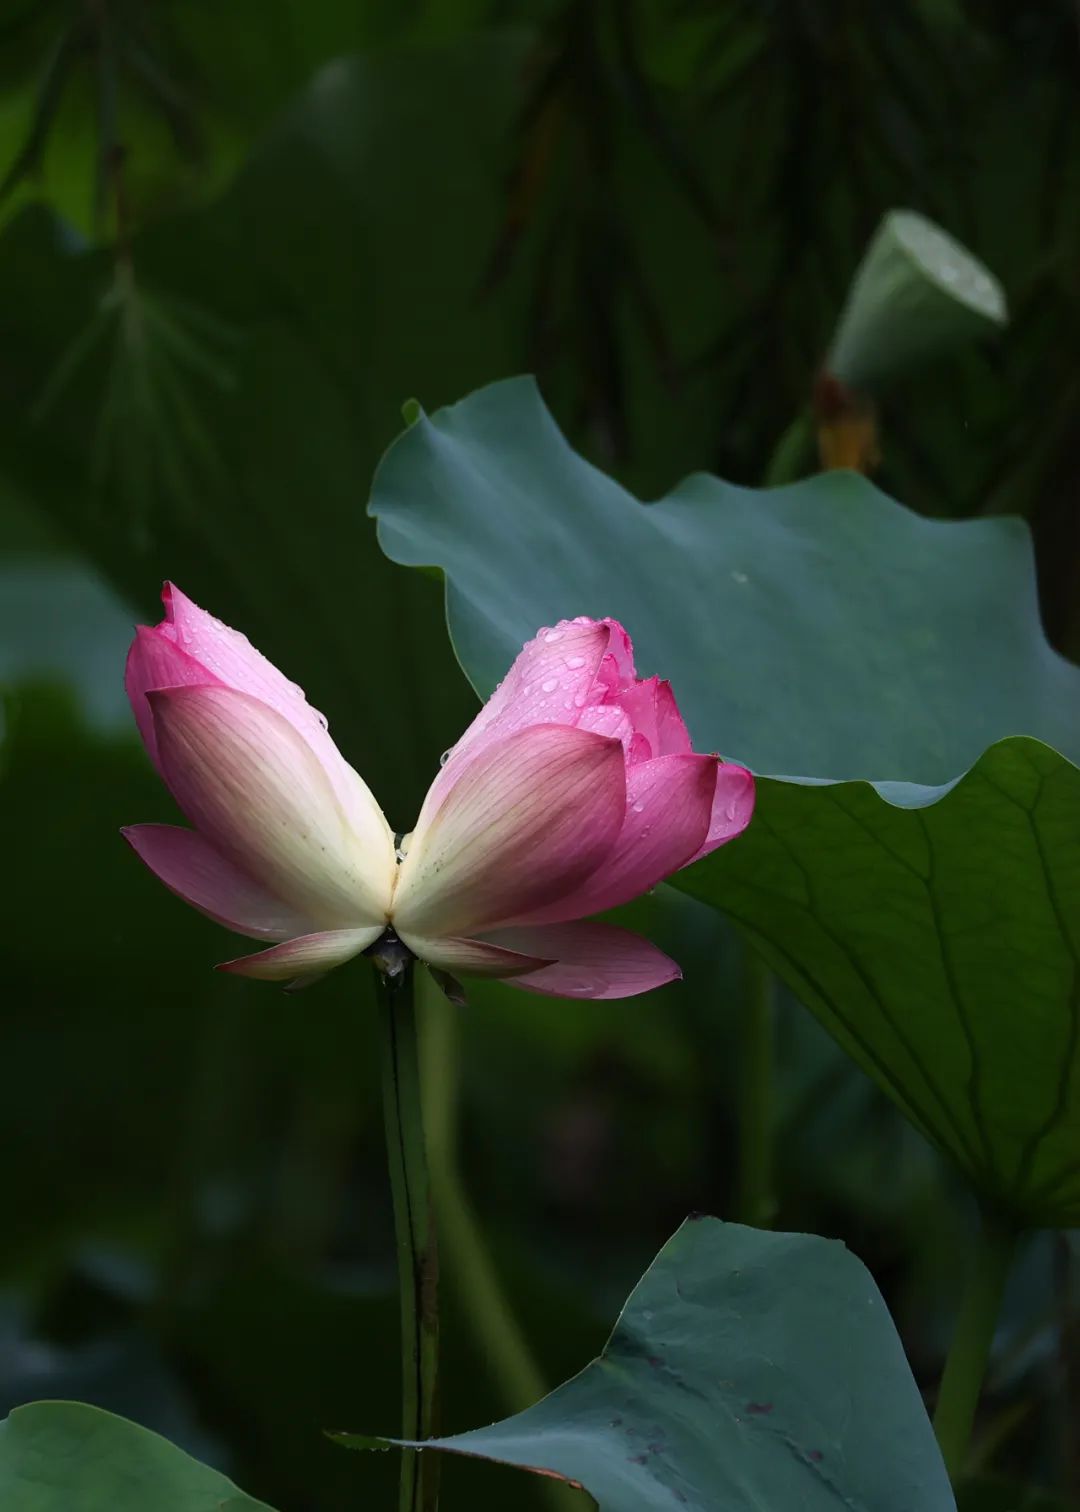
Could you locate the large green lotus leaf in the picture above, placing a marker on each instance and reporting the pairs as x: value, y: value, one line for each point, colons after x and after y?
x: 747, y: 1369
x: 941, y: 946
x: 822, y: 630
x: 819, y: 630
x: 68, y: 1457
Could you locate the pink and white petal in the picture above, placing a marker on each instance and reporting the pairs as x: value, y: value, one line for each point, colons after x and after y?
x: 472, y: 957
x: 307, y: 955
x: 592, y: 960
x: 616, y: 670
x: 674, y: 737
x: 235, y: 663
x: 655, y: 714
x: 669, y: 803
x: 528, y: 819
x: 232, y: 658
x: 154, y: 661
x: 191, y: 868
x: 553, y: 678
x: 733, y: 807
x: 255, y: 790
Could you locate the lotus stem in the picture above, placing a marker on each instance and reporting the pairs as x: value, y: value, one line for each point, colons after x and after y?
x: 756, y: 1194
x: 418, y: 1266
x: 969, y: 1352
x: 467, y: 1261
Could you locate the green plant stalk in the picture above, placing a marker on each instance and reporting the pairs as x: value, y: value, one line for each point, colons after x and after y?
x: 969, y: 1352
x: 467, y: 1260
x: 756, y: 1194
x: 418, y: 1266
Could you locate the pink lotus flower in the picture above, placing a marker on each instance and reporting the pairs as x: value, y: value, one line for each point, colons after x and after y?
x: 575, y: 789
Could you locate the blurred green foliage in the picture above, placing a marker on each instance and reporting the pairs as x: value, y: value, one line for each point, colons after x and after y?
x: 236, y: 239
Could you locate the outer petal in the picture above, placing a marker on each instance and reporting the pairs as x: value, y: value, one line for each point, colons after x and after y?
x: 254, y: 789
x: 530, y: 817
x: 231, y: 659
x: 553, y: 678
x: 593, y: 961
x: 313, y: 953
x: 733, y: 806
x: 473, y: 957
x: 669, y: 803
x: 190, y: 867
x: 155, y: 662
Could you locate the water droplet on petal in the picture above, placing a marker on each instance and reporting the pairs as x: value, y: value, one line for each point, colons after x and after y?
x: 550, y: 684
x: 445, y: 757
x: 575, y: 661
x: 579, y: 699
x: 731, y: 811
x: 639, y: 808
x: 551, y: 636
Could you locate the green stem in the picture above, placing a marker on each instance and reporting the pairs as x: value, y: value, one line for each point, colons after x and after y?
x: 418, y: 1266
x: 467, y: 1261
x: 969, y: 1352
x: 756, y: 1197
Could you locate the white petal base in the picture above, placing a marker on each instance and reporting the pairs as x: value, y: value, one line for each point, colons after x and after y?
x: 303, y: 956
x: 473, y: 957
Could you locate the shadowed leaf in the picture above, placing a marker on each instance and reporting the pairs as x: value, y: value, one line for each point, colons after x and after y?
x: 746, y: 1369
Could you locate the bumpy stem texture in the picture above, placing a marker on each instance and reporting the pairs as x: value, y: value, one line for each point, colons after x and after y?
x: 418, y: 1266
x: 969, y: 1352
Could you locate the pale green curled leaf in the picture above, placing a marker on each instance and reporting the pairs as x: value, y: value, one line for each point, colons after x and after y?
x: 748, y: 1369
x: 822, y: 631
x: 69, y: 1457
x: 917, y: 294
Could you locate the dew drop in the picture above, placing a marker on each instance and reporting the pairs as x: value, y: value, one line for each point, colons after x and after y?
x: 731, y: 811
x: 526, y: 688
x: 579, y: 699
x: 445, y: 757
x: 574, y: 662
x: 550, y: 684
x: 551, y: 636
x: 639, y: 808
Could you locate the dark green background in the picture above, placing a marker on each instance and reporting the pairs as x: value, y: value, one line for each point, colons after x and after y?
x: 235, y: 241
